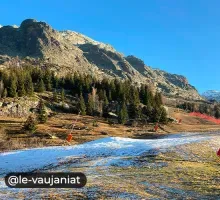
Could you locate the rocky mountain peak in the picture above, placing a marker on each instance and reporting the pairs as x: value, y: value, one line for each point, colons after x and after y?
x: 69, y: 51
x: 27, y: 23
x: 80, y: 39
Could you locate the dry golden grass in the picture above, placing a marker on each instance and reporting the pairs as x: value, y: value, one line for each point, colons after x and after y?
x: 55, y: 131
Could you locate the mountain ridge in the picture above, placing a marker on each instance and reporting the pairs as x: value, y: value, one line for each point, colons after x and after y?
x: 70, y: 51
x: 212, y: 95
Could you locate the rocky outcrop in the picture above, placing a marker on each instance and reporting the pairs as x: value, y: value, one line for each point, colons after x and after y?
x: 167, y: 83
x: 69, y: 51
x: 19, y: 107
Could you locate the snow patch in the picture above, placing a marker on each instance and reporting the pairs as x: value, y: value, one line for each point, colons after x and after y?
x: 104, y: 152
x: 212, y: 94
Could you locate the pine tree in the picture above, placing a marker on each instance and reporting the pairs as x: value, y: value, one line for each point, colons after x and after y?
x: 163, y: 115
x: 123, y: 114
x: 12, y: 90
x: 62, y: 82
x: 105, y: 99
x: 29, y: 85
x: 147, y: 97
x: 87, y: 84
x: 146, y: 112
x: 155, y: 115
x: 90, y: 105
x: 55, y: 95
x: 49, y: 85
x: 69, y: 82
x: 62, y: 95
x: 134, y: 110
x: 82, y: 106
x: 30, y: 124
x: 142, y: 92
x: 112, y: 88
x: 134, y: 96
x: 40, y: 86
x: 55, y: 81
x: 21, y: 87
x: 48, y: 80
x: 101, y: 95
x: 134, y: 103
x: 158, y: 99
x: 110, y: 95
x: 217, y: 114
x: 42, y: 114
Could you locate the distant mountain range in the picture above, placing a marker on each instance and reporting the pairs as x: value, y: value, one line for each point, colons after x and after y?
x: 68, y: 51
x: 212, y: 95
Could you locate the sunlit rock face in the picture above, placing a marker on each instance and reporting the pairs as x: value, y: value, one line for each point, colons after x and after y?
x: 68, y: 51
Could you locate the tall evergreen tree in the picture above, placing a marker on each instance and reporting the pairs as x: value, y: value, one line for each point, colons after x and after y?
x: 62, y: 95
x: 110, y: 95
x: 147, y: 97
x: 123, y: 114
x: 90, y: 105
x: 55, y: 81
x: 55, y: 95
x: 48, y: 80
x: 105, y: 99
x: 87, y: 83
x: 42, y: 114
x: 29, y: 85
x: 134, y: 103
x: 112, y: 88
x: 146, y: 112
x: 21, y: 86
x: 40, y: 86
x: 101, y: 94
x: 12, y: 90
x: 134, y: 96
x: 158, y: 99
x: 30, y: 124
x: 217, y: 114
x: 155, y: 115
x: 163, y: 115
x: 69, y: 82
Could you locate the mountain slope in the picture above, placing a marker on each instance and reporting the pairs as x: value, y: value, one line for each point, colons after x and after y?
x: 69, y: 51
x: 212, y: 95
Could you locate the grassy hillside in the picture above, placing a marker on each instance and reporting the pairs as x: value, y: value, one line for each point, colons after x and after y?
x: 55, y: 130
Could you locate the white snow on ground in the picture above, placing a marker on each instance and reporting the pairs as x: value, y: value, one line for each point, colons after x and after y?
x: 111, y: 149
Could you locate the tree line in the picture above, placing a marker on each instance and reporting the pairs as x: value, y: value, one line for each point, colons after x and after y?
x: 204, y: 108
x: 95, y: 97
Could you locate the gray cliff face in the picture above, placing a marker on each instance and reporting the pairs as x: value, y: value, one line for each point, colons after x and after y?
x: 170, y: 84
x: 69, y: 51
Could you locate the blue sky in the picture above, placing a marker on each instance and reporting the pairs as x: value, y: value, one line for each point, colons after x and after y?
x: 179, y: 36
